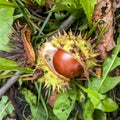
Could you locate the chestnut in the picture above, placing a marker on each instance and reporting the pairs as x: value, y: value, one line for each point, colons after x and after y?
x: 66, y: 65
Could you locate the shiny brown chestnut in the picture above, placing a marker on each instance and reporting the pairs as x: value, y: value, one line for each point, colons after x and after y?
x: 66, y: 65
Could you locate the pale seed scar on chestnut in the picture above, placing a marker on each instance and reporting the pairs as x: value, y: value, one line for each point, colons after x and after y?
x: 66, y: 65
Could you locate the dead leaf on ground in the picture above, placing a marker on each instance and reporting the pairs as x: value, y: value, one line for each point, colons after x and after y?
x: 52, y: 99
x: 116, y: 4
x: 104, y: 10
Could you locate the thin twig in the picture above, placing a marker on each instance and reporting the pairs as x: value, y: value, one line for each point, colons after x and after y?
x: 9, y: 83
x: 67, y: 23
x: 64, y: 26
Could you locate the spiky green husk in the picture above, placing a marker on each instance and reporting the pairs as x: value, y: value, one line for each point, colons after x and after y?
x: 79, y: 48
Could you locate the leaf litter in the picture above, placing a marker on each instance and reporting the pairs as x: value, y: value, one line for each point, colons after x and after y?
x: 104, y: 10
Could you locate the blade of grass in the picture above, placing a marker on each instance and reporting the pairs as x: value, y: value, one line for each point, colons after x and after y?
x: 45, y: 107
x: 102, y: 31
x: 22, y: 7
x: 94, y: 28
x: 40, y: 98
x: 38, y: 88
x: 45, y: 23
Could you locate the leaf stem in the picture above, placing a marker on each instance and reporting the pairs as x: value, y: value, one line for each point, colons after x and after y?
x: 107, y: 72
x: 4, y: 109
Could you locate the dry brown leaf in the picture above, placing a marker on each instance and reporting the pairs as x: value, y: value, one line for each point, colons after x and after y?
x: 37, y: 74
x: 104, y: 10
x: 25, y: 36
x: 52, y: 99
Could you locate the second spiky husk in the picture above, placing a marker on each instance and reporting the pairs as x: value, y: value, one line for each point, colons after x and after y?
x: 21, y: 48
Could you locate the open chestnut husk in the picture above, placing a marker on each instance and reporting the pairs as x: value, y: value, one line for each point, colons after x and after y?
x: 64, y: 57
